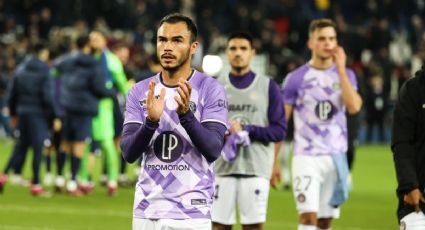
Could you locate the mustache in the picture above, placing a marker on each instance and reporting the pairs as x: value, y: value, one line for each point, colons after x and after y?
x: 167, y: 55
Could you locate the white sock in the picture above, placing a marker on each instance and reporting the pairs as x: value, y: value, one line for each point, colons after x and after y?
x: 323, y: 229
x: 306, y: 227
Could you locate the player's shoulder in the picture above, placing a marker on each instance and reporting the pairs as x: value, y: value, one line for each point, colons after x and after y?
x: 203, y: 80
x: 300, y: 71
x: 144, y: 84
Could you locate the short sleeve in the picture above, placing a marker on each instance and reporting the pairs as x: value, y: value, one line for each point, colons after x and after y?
x: 134, y: 108
x: 352, y: 76
x: 215, y: 103
x: 290, y: 89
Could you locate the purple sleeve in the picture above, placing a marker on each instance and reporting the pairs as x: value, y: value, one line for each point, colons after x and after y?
x: 134, y: 113
x: 352, y: 76
x: 215, y: 103
x: 135, y: 139
x: 292, y: 84
x: 276, y: 129
x: 207, y: 137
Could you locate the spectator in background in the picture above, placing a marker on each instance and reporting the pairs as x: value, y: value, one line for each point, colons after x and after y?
x: 376, y: 105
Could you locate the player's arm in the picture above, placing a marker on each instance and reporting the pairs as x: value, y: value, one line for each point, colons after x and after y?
x: 118, y: 75
x: 137, y: 134
x: 276, y: 129
x: 136, y: 138
x: 207, y: 137
x: 350, y: 97
x: 403, y: 136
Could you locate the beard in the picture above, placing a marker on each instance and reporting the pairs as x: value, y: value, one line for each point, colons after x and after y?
x: 180, y: 62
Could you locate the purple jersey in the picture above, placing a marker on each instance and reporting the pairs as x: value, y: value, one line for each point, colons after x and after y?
x: 176, y: 181
x: 318, y: 110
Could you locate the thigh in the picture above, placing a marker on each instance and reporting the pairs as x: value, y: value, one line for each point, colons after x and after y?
x: 253, y: 194
x: 327, y: 188
x: 306, y: 181
x: 223, y: 209
x: 38, y: 131
x: 187, y: 224
x: 413, y: 221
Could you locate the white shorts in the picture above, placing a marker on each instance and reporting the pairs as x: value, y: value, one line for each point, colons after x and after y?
x: 413, y: 221
x: 249, y: 193
x: 170, y: 224
x: 313, y: 180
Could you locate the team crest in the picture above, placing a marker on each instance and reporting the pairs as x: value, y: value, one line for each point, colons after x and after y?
x: 192, y: 106
x: 336, y: 86
x: 301, y: 198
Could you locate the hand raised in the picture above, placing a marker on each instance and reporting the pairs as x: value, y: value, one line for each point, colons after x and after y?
x: 184, y: 90
x: 154, y: 105
x: 339, y: 57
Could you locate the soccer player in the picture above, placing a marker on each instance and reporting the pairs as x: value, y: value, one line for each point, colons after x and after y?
x: 318, y: 93
x: 175, y: 121
x: 255, y: 110
x: 103, y: 129
x: 82, y: 85
x: 31, y: 100
x: 408, y: 141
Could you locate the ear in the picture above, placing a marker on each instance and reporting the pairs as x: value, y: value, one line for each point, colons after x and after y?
x: 309, y: 44
x: 254, y: 52
x: 193, y: 47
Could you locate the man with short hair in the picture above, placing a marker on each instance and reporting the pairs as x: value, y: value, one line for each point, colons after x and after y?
x: 257, y: 118
x: 318, y: 93
x: 175, y: 121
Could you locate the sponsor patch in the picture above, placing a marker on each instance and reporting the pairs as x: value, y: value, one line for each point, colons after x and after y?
x: 198, y: 201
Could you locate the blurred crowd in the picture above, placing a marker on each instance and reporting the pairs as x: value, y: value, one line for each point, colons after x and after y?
x: 383, y: 38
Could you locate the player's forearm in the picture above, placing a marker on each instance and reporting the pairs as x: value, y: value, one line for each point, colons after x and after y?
x: 350, y: 97
x: 208, y: 137
x: 135, y: 139
x: 271, y: 133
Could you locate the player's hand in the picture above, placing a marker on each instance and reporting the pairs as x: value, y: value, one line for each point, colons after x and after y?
x: 235, y: 126
x: 154, y: 105
x: 339, y: 57
x: 184, y: 90
x: 413, y: 198
x: 275, y: 179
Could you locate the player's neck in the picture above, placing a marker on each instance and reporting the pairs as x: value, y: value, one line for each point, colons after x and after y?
x: 239, y: 71
x: 321, y: 63
x: 172, y: 77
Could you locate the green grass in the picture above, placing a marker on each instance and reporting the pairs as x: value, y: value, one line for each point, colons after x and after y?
x: 371, y: 205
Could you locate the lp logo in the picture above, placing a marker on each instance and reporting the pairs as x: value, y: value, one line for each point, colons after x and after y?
x: 324, y: 110
x: 168, y: 146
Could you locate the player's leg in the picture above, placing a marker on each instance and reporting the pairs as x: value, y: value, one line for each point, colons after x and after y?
x: 285, y: 151
x: 252, y: 195
x: 84, y: 171
x: 326, y: 212
x: 81, y: 126
x: 38, y: 132
x: 306, y: 188
x: 111, y: 156
x: 223, y: 211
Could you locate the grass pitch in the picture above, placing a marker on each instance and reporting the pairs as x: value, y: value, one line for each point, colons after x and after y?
x: 371, y: 205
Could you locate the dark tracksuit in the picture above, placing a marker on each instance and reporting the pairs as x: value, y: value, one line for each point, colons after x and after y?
x: 408, y: 140
x: 31, y: 100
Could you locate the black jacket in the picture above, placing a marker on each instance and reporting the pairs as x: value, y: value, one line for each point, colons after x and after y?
x: 82, y: 83
x: 31, y: 89
x: 408, y: 139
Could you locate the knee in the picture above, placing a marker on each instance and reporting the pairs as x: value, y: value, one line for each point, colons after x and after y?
x: 324, y: 223
x: 308, y: 218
